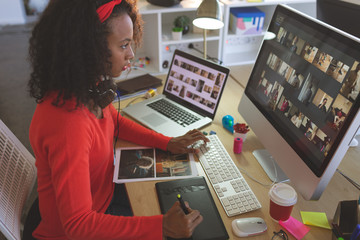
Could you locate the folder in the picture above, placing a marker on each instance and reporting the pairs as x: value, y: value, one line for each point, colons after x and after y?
x: 143, y: 82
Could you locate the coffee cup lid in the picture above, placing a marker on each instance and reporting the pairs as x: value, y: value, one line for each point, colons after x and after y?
x: 283, y: 194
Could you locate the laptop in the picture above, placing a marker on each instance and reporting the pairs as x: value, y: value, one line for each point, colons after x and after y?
x: 190, y: 98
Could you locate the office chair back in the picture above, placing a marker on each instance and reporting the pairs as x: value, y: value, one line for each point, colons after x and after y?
x: 17, y: 178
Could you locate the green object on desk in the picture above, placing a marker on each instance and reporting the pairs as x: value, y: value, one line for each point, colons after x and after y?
x: 318, y: 219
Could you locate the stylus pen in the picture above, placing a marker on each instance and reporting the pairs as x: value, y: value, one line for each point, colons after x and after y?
x: 182, y: 204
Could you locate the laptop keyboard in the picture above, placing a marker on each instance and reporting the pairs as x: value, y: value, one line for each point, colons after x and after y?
x: 173, y: 112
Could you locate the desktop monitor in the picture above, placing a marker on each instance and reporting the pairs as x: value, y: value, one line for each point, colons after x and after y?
x: 302, y: 99
x: 342, y: 14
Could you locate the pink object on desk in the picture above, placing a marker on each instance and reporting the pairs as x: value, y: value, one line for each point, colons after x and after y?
x: 296, y: 228
x: 238, y: 142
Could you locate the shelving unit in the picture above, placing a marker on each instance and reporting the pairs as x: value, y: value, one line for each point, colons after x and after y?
x: 222, y: 44
x: 158, y: 44
x: 243, y: 49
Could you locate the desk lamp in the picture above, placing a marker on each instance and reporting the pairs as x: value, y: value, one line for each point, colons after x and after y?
x: 208, y: 16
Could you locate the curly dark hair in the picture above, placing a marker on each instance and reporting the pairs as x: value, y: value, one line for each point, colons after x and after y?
x: 69, y: 51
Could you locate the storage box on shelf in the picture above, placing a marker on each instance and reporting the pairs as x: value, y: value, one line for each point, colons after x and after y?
x: 246, y: 20
x: 242, y: 49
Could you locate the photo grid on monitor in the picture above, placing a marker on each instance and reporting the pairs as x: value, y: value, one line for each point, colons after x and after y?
x: 307, y: 84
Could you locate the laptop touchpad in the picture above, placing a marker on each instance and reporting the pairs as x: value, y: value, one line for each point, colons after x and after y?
x: 154, y: 119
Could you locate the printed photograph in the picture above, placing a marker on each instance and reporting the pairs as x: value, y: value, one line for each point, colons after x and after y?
x: 137, y: 163
x: 168, y: 165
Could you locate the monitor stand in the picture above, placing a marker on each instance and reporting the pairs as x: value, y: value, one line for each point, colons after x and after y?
x: 269, y: 165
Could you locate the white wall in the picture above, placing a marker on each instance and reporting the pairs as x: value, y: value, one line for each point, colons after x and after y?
x: 12, y: 12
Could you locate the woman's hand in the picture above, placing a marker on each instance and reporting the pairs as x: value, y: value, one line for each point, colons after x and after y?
x: 180, y: 144
x: 177, y: 224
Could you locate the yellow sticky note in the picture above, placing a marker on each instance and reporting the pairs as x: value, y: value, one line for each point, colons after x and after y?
x: 318, y: 219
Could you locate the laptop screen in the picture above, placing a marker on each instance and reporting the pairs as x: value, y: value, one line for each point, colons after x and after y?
x: 195, y: 83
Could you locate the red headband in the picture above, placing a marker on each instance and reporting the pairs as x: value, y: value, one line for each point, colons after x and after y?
x: 105, y: 10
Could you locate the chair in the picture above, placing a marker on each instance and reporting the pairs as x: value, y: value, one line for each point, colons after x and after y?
x: 17, y: 179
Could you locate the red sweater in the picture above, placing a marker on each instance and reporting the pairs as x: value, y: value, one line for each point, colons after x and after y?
x: 74, y: 159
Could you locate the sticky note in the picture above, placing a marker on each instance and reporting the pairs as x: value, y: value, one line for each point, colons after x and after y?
x: 296, y: 228
x: 318, y: 219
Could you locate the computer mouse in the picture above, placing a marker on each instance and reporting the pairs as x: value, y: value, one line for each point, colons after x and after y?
x: 244, y: 227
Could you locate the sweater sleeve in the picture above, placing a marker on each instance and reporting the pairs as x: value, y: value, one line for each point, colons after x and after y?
x: 136, y: 133
x: 63, y: 148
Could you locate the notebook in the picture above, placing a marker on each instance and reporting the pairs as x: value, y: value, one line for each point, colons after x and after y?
x: 196, y: 192
x: 192, y: 93
x: 143, y: 82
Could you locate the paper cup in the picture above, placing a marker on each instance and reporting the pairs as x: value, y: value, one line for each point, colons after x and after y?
x: 282, y: 200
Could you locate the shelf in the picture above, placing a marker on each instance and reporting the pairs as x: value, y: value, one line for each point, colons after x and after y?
x: 243, y: 3
x: 185, y: 5
x: 189, y: 39
x: 233, y: 35
x: 222, y: 44
x: 240, y: 58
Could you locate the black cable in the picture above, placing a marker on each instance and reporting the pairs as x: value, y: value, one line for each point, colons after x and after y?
x: 117, y: 130
x: 216, y: 60
x: 355, y: 184
x: 236, y: 80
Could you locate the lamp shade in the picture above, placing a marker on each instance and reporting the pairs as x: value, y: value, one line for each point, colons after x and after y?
x: 209, y: 15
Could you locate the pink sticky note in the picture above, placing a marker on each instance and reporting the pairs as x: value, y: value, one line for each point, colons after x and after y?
x: 296, y: 228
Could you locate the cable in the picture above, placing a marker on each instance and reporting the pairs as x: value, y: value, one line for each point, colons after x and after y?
x: 117, y: 130
x: 232, y: 76
x: 355, y: 184
x: 214, y: 59
x: 259, y: 182
x: 133, y: 101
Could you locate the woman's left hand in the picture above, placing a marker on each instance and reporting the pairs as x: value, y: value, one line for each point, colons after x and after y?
x: 180, y: 144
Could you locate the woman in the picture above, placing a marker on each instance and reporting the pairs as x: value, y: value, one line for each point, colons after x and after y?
x: 75, y: 49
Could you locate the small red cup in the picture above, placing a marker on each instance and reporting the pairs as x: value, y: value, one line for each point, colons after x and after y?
x: 282, y: 200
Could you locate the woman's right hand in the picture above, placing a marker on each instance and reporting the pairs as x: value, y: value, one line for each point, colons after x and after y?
x: 177, y: 224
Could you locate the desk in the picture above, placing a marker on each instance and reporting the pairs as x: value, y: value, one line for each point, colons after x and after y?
x: 144, y: 201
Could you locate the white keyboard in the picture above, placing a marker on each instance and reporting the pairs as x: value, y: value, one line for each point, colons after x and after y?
x: 230, y: 186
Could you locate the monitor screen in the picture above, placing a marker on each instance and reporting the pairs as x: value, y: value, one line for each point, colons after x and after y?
x: 305, y: 86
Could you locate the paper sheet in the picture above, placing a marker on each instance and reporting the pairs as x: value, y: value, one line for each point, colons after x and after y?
x: 296, y: 228
x: 318, y: 219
